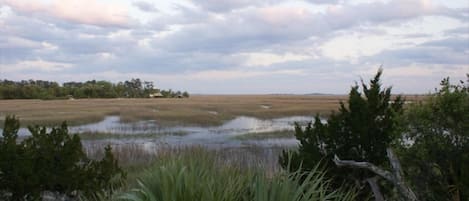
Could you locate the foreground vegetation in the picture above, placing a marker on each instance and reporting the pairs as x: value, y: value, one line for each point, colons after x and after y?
x: 431, y: 138
x: 361, y: 130
x: 185, y: 177
x: 51, y: 163
x: 40, y: 89
x: 373, y: 147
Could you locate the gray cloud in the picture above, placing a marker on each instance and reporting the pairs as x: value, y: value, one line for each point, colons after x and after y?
x: 460, y: 44
x: 145, y: 6
x: 464, y: 30
x: 25, y: 38
x: 257, y: 28
x: 211, y: 38
x: 228, y: 5
x: 323, y: 1
x: 221, y: 6
x: 451, y: 51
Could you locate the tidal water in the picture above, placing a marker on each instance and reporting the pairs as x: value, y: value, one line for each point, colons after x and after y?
x: 212, y: 136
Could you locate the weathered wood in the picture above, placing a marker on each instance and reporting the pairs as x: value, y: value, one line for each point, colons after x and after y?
x: 373, y: 182
x: 395, y: 177
x: 398, y: 181
x: 364, y: 165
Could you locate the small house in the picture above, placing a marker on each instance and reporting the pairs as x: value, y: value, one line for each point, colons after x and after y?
x: 156, y: 95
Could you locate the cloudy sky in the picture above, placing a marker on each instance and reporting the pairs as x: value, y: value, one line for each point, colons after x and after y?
x: 237, y: 46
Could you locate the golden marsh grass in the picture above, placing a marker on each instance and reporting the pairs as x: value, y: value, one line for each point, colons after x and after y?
x: 200, y: 110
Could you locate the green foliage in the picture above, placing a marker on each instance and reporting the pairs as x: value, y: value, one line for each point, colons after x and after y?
x: 361, y: 131
x: 39, y: 89
x: 174, y: 94
x: 437, y: 161
x: 51, y: 162
x: 201, y: 178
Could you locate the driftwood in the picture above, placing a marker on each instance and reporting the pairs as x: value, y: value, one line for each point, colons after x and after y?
x: 395, y: 177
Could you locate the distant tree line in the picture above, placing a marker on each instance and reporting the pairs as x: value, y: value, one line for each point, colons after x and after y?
x: 40, y: 89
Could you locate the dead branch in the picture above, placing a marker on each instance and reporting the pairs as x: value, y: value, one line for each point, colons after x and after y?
x: 395, y: 177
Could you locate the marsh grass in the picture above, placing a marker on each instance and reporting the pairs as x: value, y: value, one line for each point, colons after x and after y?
x: 206, y: 110
x: 134, y: 156
x: 197, y: 173
x: 266, y: 135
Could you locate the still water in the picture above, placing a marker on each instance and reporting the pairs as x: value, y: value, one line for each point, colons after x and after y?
x: 213, y: 136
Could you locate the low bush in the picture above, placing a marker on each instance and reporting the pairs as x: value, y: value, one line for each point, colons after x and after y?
x: 51, y: 161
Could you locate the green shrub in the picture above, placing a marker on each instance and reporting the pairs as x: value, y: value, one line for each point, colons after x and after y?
x: 52, y: 162
x: 437, y: 163
x: 361, y: 131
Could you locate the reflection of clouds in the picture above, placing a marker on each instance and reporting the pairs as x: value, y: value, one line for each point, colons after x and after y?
x: 205, y: 136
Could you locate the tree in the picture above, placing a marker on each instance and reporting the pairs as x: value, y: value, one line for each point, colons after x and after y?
x: 39, y: 89
x: 51, y: 162
x: 436, y: 157
x: 185, y: 94
x: 361, y: 131
x: 16, y: 172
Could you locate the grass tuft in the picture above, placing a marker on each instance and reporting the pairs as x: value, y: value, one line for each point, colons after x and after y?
x: 196, y: 176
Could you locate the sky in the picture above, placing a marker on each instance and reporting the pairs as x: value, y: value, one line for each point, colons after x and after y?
x: 237, y: 46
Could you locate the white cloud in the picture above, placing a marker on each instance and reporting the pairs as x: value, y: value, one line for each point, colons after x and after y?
x: 267, y: 59
x: 49, y: 46
x: 237, y: 74
x: 35, y: 65
x: 79, y: 11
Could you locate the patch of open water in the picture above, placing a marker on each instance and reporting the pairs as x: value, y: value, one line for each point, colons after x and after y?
x: 213, y: 136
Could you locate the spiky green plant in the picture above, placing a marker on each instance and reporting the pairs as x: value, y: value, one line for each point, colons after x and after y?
x: 197, y: 177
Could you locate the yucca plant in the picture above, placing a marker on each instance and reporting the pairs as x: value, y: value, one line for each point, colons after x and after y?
x: 297, y: 186
x: 187, y: 177
x: 197, y: 177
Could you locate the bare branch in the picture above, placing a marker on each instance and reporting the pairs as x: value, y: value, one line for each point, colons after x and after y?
x: 363, y: 165
x: 375, y: 188
x: 395, y: 164
x: 395, y: 177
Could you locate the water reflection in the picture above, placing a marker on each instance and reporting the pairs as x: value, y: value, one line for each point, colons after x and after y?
x: 213, y: 136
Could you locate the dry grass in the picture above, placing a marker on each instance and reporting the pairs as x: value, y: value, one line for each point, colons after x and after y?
x: 201, y: 110
x: 266, y: 135
x: 139, y: 156
x: 197, y: 110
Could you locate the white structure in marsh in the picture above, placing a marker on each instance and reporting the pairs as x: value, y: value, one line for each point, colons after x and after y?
x: 155, y: 95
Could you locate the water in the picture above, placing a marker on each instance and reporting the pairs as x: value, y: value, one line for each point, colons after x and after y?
x: 214, y: 136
